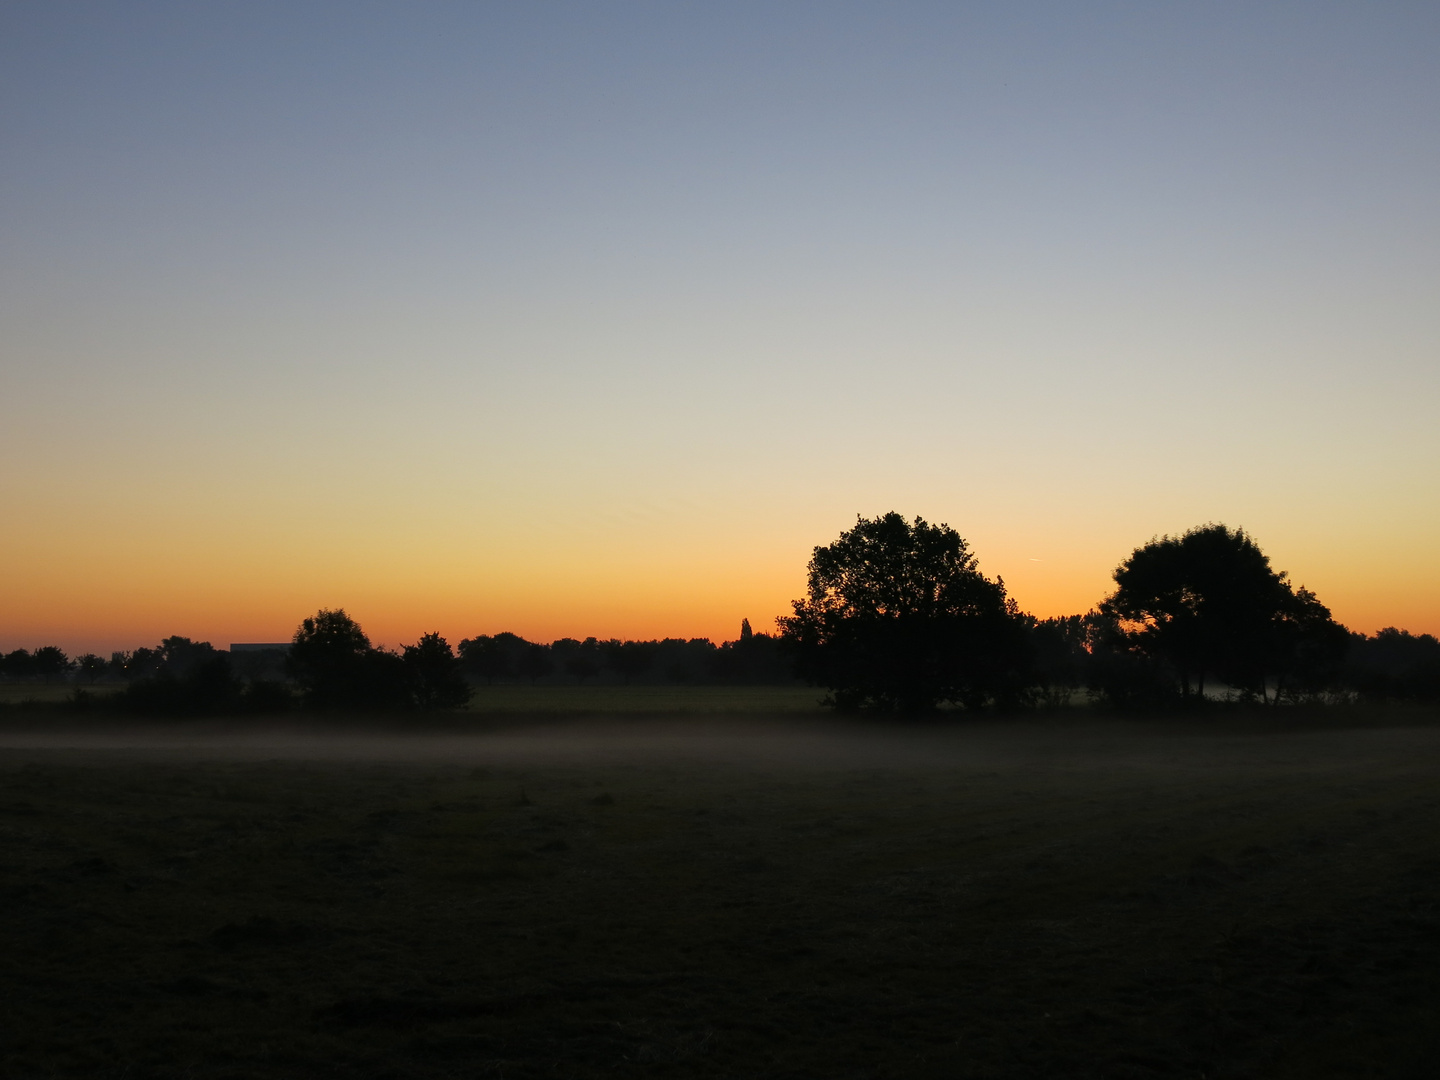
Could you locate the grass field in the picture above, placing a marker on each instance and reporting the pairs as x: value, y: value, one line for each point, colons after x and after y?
x: 645, y: 699
x: 1038, y: 898
x: 629, y: 700
x: 17, y: 693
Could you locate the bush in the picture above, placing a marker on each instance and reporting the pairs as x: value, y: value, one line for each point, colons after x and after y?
x: 206, y: 687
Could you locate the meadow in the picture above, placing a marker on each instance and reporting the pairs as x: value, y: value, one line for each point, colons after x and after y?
x: 511, y: 698
x: 520, y: 698
x: 12, y: 694
x: 726, y: 895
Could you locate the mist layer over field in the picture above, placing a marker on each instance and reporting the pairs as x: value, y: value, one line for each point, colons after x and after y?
x: 1069, y: 742
x: 721, y: 897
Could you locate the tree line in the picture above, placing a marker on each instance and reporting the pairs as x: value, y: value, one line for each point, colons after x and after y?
x: 332, y: 664
x: 897, y: 617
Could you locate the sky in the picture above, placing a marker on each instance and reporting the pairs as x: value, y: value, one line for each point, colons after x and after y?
x: 590, y: 318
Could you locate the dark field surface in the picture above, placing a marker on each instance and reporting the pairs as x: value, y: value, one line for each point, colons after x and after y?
x: 1032, y: 899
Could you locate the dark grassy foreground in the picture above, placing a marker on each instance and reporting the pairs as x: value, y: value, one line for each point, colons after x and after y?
x: 1031, y: 900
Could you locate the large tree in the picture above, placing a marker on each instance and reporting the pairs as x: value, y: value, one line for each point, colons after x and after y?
x: 1210, y: 605
x: 50, y: 662
x: 1307, y: 649
x: 898, y: 617
x: 91, y: 667
x: 436, y: 678
x: 332, y: 660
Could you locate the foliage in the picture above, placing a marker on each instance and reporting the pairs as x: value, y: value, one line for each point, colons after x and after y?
x: 1394, y: 665
x: 336, y: 667
x: 580, y: 660
x: 755, y: 659
x: 141, y: 663
x: 206, y: 686
x: 898, y: 617
x: 1306, y: 650
x: 16, y: 665
x: 1200, y: 601
x: 180, y: 677
x: 629, y: 659
x: 1059, y: 657
x: 333, y: 663
x: 1208, y: 605
x: 489, y: 658
x: 1118, y: 673
x: 534, y: 663
x: 91, y: 667
x: 436, y: 680
x: 50, y: 662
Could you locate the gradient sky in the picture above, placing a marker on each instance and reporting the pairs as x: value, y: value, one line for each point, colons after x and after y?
x: 586, y: 318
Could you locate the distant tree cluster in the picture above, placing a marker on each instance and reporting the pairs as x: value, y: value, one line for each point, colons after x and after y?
x: 184, y: 677
x: 46, y: 664
x: 331, y: 664
x: 335, y: 667
x: 507, y: 658
x: 1394, y: 665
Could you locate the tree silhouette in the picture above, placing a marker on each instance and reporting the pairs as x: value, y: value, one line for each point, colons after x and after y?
x: 1059, y: 657
x: 534, y: 663
x: 435, y: 677
x: 326, y: 656
x: 578, y: 659
x: 180, y: 677
x: 1395, y: 665
x: 1307, y: 649
x: 1118, y: 672
x: 492, y: 658
x: 18, y: 665
x: 1209, y: 604
x: 91, y: 667
x: 629, y: 659
x: 899, y: 617
x: 751, y: 658
x: 178, y: 656
x: 336, y: 667
x: 50, y: 662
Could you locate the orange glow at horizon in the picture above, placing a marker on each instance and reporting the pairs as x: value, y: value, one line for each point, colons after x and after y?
x: 520, y: 317
x: 229, y: 596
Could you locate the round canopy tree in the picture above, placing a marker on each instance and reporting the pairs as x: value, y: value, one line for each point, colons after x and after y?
x: 336, y: 666
x: 1209, y: 604
x: 898, y: 617
x: 327, y: 657
x: 436, y: 678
